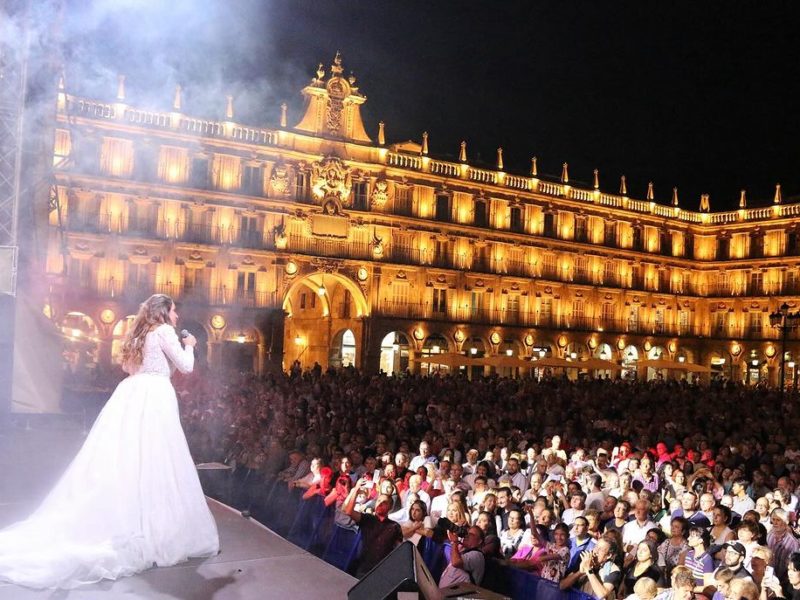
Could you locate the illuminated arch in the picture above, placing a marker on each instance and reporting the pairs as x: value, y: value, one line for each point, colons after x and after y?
x: 315, y: 281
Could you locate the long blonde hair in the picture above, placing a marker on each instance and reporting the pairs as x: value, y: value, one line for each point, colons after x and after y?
x: 152, y: 312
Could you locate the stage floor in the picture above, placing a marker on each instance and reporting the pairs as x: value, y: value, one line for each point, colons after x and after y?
x: 254, y: 562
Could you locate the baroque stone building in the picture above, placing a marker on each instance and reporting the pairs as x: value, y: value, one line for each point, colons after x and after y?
x: 318, y: 243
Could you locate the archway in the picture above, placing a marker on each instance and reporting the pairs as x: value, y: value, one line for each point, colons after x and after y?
x: 343, y: 349
x: 757, y: 369
x: 475, y: 347
x: 513, y: 349
x: 81, y: 348
x: 121, y: 329
x: 198, y: 331
x: 395, y: 347
x: 656, y: 353
x: 630, y: 359
x: 538, y: 351
x: 719, y: 365
x: 239, y: 352
x: 604, y: 352
x: 320, y: 308
x: 434, y: 344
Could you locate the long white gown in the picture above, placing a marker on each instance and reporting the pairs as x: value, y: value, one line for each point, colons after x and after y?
x: 130, y: 499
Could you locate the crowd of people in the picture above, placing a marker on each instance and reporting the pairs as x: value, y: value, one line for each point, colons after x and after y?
x: 616, y: 488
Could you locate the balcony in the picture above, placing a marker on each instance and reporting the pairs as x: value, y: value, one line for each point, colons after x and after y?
x: 332, y: 248
x: 486, y: 316
x: 198, y: 295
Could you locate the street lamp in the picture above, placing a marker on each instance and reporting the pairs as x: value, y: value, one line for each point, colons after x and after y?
x: 783, y: 321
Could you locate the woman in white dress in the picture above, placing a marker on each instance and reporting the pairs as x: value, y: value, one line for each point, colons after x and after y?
x: 131, y: 498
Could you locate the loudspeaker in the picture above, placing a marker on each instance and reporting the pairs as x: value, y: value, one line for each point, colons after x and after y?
x: 402, y: 571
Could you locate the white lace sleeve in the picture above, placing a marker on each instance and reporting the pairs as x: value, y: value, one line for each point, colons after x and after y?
x: 182, y: 358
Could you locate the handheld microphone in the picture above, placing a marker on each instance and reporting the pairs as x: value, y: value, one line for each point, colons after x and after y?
x: 184, y: 334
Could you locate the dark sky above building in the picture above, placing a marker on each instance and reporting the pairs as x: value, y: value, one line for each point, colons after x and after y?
x: 698, y: 95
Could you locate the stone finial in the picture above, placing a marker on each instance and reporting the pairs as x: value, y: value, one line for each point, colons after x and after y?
x: 229, y: 107
x: 381, y: 133
x: 705, y: 203
x: 178, y: 99
x: 462, y: 153
x: 674, y: 196
x: 61, y: 83
x: 336, y: 67
x: 320, y: 72
x: 743, y: 199
x: 778, y: 195
x: 623, y: 186
x: 352, y: 79
x: 596, y: 179
x: 651, y: 196
x: 534, y: 168
x: 284, y: 108
x: 425, y: 143
x: 121, y: 88
x: 499, y: 159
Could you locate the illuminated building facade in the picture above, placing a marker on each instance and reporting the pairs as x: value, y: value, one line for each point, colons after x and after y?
x: 319, y: 243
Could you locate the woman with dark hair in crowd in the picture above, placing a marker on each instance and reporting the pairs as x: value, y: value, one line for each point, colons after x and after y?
x: 554, y: 560
x: 511, y: 537
x: 491, y: 542
x: 643, y: 565
x: 672, y: 550
x: 419, y: 524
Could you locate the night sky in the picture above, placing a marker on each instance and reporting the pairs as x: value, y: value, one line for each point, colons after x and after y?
x: 698, y: 95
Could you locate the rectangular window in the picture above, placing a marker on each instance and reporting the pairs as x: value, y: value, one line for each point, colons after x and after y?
x: 199, y: 173
x: 253, y: 180
x: 301, y: 191
x: 517, y: 224
x: 116, y: 157
x: 477, y: 303
x: 226, y: 172
x: 442, y: 207
x: 756, y: 283
x: 400, y: 293
x: 666, y: 243
x: 549, y: 267
x: 545, y: 311
x: 313, y: 300
x: 194, y: 280
x: 658, y: 320
x: 245, y: 282
x: 607, y: 315
x: 549, y: 224
x: 80, y: 272
x: 481, y: 214
x: 512, y: 303
x: 402, y: 200
x: 610, y: 234
x: 633, y: 318
x: 580, y: 229
x: 664, y: 279
x: 582, y: 269
x: 302, y: 300
x: 688, y: 245
x: 683, y: 322
x: 755, y: 322
x: 723, y: 248
x: 609, y: 273
x: 360, y: 195
x: 720, y: 324
x: 173, y: 165
x: 249, y: 232
x: 138, y: 276
x: 440, y: 300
